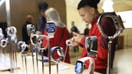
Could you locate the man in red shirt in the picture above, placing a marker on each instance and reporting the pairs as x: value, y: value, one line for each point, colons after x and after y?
x: 89, y: 13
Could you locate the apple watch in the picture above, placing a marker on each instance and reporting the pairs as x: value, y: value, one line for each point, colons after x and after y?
x: 59, y: 51
x: 80, y: 65
x: 91, y: 44
x: 50, y: 28
x: 4, y: 42
x: 117, y: 22
x: 22, y: 46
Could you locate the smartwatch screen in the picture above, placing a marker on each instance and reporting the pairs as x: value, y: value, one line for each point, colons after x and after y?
x: 79, y: 67
x: 50, y: 27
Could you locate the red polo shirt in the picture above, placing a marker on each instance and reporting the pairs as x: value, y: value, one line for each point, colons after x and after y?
x: 101, y: 58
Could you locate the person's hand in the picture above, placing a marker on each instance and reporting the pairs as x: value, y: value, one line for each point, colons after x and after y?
x: 74, y: 41
x: 38, y: 32
x: 70, y: 42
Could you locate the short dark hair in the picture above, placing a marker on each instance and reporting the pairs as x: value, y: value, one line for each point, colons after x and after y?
x: 43, y: 6
x: 91, y: 3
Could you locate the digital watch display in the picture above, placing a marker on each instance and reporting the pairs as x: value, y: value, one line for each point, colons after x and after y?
x: 79, y: 67
x: 50, y: 27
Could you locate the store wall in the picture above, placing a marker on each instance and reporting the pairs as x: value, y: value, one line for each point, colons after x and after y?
x: 73, y: 15
x: 20, y: 8
x: 127, y: 33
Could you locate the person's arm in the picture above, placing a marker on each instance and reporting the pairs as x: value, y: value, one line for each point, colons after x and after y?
x: 76, y: 40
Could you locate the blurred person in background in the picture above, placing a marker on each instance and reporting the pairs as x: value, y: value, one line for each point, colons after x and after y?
x: 74, y: 29
x: 43, y: 6
x: 25, y: 36
x: 61, y: 33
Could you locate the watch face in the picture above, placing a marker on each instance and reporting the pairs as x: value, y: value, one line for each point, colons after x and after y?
x: 50, y: 27
x: 92, y: 45
x: 79, y: 67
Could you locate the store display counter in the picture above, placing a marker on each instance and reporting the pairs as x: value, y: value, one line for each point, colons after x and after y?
x: 64, y: 68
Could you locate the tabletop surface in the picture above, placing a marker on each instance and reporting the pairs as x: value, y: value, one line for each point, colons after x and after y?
x: 63, y: 68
